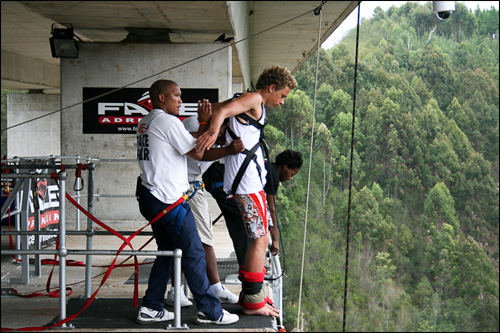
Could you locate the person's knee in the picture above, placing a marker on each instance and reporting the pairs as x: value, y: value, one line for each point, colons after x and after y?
x: 261, y: 242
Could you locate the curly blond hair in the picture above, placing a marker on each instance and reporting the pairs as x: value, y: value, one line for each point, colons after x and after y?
x: 277, y: 75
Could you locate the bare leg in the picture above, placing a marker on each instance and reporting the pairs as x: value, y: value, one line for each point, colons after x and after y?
x: 256, y: 253
x: 255, y: 263
x: 212, y: 272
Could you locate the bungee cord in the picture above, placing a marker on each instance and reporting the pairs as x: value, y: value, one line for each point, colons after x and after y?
x: 350, y: 174
x: 161, y: 72
x: 318, y: 12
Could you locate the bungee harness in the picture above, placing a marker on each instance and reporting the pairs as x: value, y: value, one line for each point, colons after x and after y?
x: 250, y: 154
x: 174, y: 212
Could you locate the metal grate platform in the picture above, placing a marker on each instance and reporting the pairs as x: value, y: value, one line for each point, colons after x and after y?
x: 226, y: 266
x: 118, y: 313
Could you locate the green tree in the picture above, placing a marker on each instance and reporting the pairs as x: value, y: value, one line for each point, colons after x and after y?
x: 365, y: 214
x: 459, y: 141
x: 275, y: 139
x: 443, y: 160
x: 326, y: 146
x: 296, y: 114
x: 435, y: 71
x: 432, y: 120
x: 341, y: 103
x: 426, y: 161
x: 455, y: 112
x: 324, y: 107
x: 439, y: 208
x: 421, y: 90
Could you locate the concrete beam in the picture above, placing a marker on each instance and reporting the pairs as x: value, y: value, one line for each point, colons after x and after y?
x: 19, y: 70
x: 238, y: 16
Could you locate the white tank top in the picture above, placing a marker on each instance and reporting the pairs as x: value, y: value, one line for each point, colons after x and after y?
x: 251, y: 182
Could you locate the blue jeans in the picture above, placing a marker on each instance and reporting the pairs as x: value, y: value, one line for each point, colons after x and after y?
x: 193, y: 259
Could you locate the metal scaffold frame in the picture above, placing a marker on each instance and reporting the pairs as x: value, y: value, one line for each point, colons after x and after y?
x: 24, y: 177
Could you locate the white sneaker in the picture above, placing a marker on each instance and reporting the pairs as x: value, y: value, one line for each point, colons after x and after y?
x: 184, y: 300
x: 226, y: 297
x: 225, y: 318
x: 147, y: 315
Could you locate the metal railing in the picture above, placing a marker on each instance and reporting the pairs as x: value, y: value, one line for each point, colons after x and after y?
x: 24, y: 177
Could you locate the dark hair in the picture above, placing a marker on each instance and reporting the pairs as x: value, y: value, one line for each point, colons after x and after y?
x: 158, y: 88
x: 291, y: 158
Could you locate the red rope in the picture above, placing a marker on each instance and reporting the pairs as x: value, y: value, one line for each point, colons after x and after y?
x: 126, y: 241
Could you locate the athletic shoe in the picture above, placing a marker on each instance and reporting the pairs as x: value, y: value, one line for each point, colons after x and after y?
x: 226, y: 297
x: 184, y: 300
x: 147, y: 315
x: 225, y: 318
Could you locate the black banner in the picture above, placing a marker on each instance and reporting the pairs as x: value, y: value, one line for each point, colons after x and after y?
x: 119, y: 112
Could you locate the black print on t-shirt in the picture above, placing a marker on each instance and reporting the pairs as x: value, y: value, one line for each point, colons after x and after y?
x: 143, y: 147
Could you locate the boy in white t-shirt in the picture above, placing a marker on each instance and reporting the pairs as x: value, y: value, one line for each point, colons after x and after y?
x: 163, y: 145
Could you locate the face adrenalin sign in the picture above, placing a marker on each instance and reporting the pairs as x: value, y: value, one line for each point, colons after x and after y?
x: 120, y: 111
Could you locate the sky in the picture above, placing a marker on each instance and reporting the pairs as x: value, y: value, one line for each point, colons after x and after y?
x: 367, y: 8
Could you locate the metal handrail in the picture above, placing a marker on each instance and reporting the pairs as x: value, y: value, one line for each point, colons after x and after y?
x: 62, y: 251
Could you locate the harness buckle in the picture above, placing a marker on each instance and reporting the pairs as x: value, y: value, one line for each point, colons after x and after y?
x: 198, y: 185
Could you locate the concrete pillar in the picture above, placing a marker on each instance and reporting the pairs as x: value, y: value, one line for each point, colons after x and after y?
x: 116, y: 65
x: 40, y: 137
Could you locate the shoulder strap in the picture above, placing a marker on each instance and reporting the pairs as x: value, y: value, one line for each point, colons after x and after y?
x: 250, y: 156
x: 247, y: 118
x: 251, y: 121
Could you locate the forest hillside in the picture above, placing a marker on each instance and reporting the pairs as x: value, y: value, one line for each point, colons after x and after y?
x: 423, y: 247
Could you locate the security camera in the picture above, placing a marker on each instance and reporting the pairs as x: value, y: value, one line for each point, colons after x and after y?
x: 443, y: 9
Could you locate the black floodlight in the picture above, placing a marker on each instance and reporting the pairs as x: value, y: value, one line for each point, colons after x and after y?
x: 63, y: 44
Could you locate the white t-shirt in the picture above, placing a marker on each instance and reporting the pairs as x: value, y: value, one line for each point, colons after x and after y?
x: 195, y: 168
x: 250, y: 136
x: 162, y: 144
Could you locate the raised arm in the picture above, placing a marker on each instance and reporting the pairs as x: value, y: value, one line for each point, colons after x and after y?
x: 204, y: 114
x: 214, y: 154
x: 248, y: 102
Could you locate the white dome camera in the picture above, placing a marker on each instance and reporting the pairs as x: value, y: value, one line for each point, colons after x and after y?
x: 443, y: 9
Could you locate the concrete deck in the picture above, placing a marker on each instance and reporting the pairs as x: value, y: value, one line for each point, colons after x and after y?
x: 19, y: 312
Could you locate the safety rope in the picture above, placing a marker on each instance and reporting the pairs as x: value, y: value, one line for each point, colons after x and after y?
x: 78, y: 175
x: 74, y: 263
x: 348, y: 237
x: 318, y: 12
x: 126, y: 241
